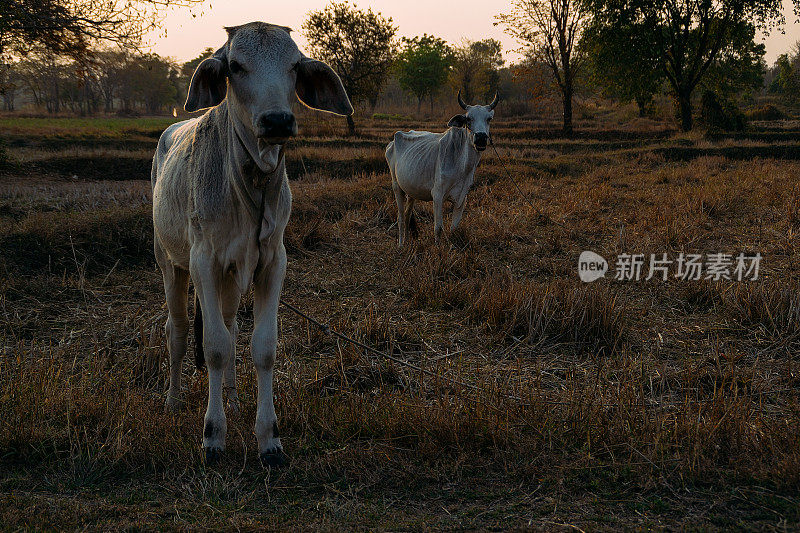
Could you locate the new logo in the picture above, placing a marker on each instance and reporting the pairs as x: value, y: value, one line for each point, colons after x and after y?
x: 591, y: 266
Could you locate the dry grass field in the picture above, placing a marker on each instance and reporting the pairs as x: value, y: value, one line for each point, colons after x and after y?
x: 649, y: 404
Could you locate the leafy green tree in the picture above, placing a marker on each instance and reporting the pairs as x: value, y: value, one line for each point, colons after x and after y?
x: 739, y: 69
x: 691, y: 34
x: 475, y: 69
x: 624, y: 62
x: 787, y: 82
x: 422, y: 66
x: 550, y: 31
x: 357, y: 44
x: 155, y: 82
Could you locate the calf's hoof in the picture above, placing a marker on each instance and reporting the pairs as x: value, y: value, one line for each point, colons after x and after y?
x: 274, y: 458
x: 174, y: 405
x: 212, y: 456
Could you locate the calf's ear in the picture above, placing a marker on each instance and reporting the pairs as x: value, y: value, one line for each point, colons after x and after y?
x: 209, y: 84
x: 319, y: 87
x: 458, y: 121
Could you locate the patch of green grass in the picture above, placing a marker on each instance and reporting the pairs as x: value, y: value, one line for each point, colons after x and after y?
x: 83, y: 127
x: 391, y: 116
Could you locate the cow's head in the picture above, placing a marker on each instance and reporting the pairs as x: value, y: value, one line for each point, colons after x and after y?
x: 259, y: 70
x: 476, y: 120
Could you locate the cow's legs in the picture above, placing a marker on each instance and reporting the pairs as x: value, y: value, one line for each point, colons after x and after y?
x: 458, y: 211
x: 230, y: 305
x: 409, y: 212
x: 210, y: 285
x: 438, y: 217
x: 400, y: 198
x: 266, y: 297
x: 176, y: 289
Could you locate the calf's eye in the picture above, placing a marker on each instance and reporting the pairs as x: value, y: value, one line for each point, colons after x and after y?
x: 236, y: 67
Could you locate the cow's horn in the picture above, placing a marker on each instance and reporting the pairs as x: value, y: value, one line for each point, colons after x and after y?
x: 460, y: 101
x: 494, y: 102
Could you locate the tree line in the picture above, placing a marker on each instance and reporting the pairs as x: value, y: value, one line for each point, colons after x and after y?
x: 631, y: 51
x: 100, y: 81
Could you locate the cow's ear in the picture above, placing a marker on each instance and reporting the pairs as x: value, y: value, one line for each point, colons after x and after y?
x: 209, y: 84
x: 458, y: 121
x: 319, y: 87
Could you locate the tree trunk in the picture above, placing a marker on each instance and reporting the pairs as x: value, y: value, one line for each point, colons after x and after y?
x: 641, y: 103
x: 419, y: 105
x: 351, y: 126
x: 567, y: 128
x: 685, y: 104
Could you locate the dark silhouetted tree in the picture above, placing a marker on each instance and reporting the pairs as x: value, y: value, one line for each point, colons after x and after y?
x: 357, y: 44
x: 692, y: 35
x: 71, y: 27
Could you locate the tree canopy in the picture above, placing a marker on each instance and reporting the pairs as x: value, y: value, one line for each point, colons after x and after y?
x: 357, y: 44
x: 423, y: 65
x: 475, y: 66
x: 690, y: 35
x: 624, y: 62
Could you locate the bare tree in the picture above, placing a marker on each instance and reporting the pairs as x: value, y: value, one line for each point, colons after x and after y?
x: 70, y: 27
x: 106, y: 67
x: 550, y: 31
x: 10, y: 84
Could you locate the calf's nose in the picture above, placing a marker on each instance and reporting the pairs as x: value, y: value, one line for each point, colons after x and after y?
x: 481, y: 139
x: 277, y: 126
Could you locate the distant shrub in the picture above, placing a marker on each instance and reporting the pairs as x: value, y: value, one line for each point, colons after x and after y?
x: 721, y: 113
x: 766, y: 112
x: 128, y: 113
x: 391, y: 116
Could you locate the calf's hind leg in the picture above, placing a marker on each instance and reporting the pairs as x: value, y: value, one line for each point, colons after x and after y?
x: 230, y: 305
x: 176, y: 289
x: 438, y: 215
x: 400, y: 198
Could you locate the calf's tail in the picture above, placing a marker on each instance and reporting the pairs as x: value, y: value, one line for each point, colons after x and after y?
x: 199, y: 356
x: 412, y: 225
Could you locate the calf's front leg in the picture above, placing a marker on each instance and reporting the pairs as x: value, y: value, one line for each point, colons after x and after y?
x: 266, y: 298
x: 212, y: 288
x: 458, y: 211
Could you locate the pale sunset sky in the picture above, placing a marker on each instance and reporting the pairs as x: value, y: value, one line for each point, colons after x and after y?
x: 186, y: 33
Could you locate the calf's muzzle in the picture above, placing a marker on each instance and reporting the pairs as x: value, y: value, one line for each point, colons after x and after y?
x: 481, y: 140
x: 277, y: 127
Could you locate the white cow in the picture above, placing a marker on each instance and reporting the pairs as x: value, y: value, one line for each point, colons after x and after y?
x: 438, y: 166
x: 221, y: 202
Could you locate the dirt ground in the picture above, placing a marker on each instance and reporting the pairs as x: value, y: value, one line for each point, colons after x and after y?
x: 616, y: 404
